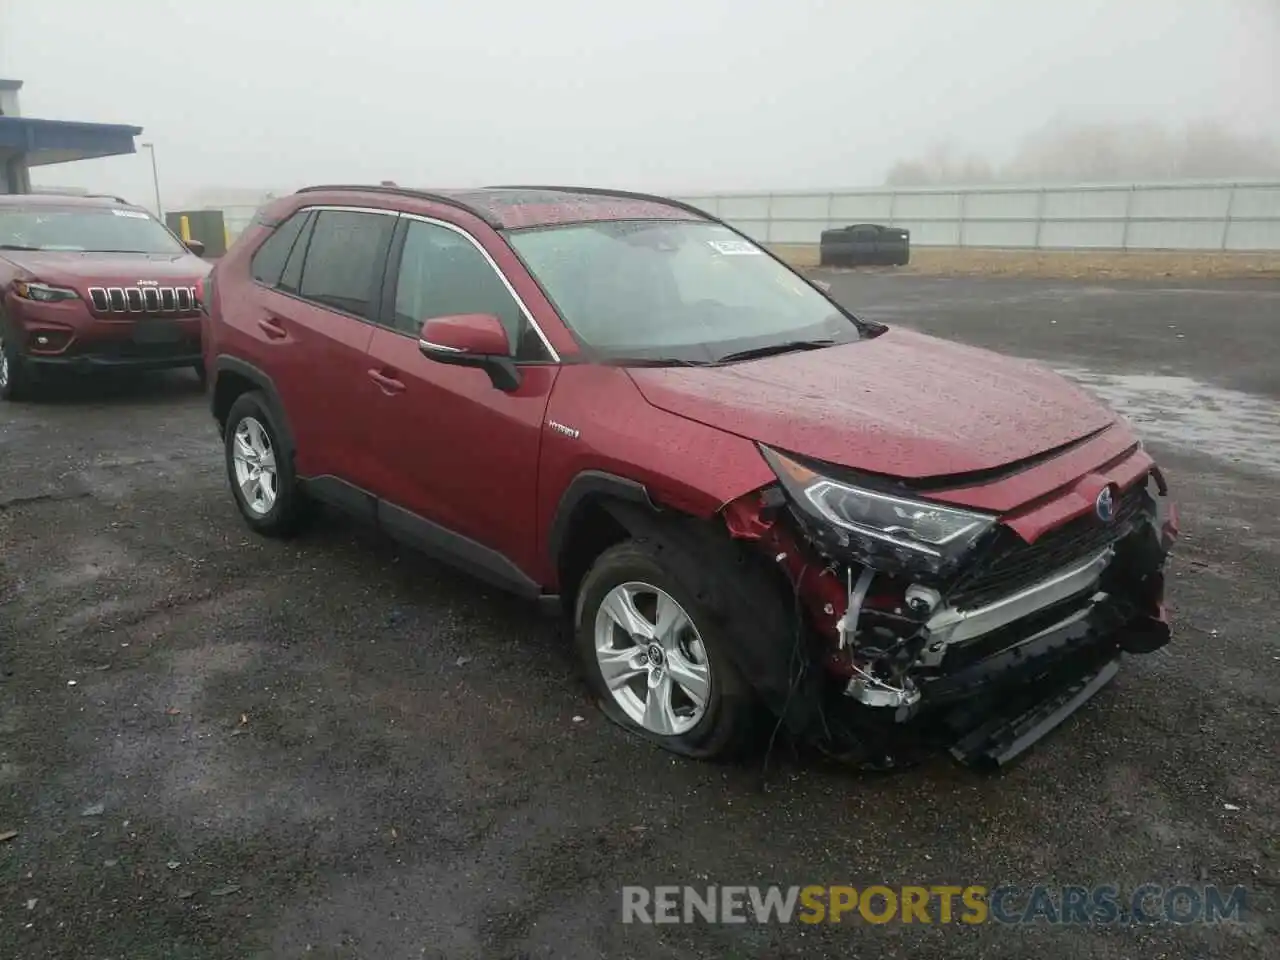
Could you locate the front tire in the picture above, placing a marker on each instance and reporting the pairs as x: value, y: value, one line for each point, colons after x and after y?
x: 655, y: 657
x: 260, y: 469
x: 13, y: 375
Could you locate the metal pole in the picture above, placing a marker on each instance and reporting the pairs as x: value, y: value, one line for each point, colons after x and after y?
x: 1226, y: 217
x: 1128, y: 216
x: 1040, y: 211
x: 155, y: 178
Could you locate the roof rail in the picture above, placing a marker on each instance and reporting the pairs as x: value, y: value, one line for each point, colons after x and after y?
x: 77, y: 195
x: 408, y: 192
x: 620, y: 194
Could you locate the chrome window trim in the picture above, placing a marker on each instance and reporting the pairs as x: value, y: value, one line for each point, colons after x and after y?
x: 342, y: 208
x: 399, y: 214
x: 443, y: 348
x: 524, y: 309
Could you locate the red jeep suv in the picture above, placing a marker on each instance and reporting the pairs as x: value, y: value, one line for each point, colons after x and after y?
x: 93, y: 283
x: 741, y: 495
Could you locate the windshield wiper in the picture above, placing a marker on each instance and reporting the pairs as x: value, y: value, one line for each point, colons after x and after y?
x: 755, y: 353
x: 16, y: 246
x: 659, y: 362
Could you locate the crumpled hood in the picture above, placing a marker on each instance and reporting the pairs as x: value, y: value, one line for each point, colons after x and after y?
x: 901, y: 404
x: 81, y: 270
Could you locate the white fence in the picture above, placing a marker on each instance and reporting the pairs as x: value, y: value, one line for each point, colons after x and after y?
x: 1205, y: 215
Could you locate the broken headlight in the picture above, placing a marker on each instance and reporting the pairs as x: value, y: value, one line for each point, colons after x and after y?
x: 879, y: 529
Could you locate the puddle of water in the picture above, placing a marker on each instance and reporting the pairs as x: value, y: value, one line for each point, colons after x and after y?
x: 1192, y: 415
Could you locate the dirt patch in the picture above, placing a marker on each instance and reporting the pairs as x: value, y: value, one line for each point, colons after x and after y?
x: 1064, y: 264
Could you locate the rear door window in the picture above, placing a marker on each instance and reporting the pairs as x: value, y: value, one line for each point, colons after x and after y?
x: 344, y: 260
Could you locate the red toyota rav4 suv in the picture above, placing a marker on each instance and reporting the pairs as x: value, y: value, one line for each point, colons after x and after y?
x: 92, y: 283
x: 740, y: 494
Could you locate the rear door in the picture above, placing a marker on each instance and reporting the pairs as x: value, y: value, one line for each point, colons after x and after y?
x: 315, y: 327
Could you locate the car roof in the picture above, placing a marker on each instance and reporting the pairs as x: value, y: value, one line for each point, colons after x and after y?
x: 28, y: 200
x: 514, y: 208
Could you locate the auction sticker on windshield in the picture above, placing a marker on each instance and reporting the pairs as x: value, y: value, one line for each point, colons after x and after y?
x: 132, y: 214
x: 731, y: 248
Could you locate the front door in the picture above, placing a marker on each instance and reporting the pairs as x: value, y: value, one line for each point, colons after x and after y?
x: 450, y: 447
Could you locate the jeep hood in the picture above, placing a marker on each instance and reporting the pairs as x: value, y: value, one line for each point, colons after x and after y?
x: 902, y: 404
x: 79, y: 270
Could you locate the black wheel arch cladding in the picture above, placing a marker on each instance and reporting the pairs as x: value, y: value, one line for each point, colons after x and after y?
x: 261, y: 382
x: 592, y: 485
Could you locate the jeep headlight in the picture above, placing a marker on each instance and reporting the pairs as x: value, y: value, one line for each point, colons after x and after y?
x: 878, y: 528
x: 43, y: 292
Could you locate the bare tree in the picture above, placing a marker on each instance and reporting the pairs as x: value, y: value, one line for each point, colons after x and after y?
x: 940, y: 164
x: 1102, y: 152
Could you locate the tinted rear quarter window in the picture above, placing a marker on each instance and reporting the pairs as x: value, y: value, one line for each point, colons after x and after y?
x: 292, y: 274
x: 269, y: 259
x: 344, y: 260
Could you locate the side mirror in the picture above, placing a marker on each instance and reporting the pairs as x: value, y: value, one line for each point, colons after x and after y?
x: 195, y: 246
x: 471, y: 340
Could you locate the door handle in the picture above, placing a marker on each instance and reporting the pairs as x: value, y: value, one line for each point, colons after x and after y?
x: 272, y: 329
x: 389, y: 385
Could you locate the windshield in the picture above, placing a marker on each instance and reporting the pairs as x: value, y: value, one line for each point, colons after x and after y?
x: 105, y: 229
x: 676, y: 291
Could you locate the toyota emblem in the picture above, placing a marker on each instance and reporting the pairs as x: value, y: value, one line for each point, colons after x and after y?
x: 1105, y: 505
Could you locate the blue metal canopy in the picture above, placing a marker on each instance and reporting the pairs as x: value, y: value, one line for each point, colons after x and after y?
x: 60, y: 141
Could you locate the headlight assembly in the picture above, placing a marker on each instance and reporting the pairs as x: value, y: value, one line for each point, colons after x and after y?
x: 908, y: 534
x: 43, y: 292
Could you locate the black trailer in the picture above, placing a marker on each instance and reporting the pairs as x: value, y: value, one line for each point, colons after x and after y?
x: 865, y: 243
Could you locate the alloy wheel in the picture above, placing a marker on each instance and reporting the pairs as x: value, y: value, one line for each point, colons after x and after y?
x: 652, y: 658
x: 255, y: 466
x: 4, y: 366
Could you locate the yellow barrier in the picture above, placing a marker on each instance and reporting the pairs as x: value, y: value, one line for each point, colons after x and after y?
x: 184, y: 227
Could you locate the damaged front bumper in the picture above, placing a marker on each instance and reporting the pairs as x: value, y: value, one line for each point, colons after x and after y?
x: 1047, y: 652
x: 989, y: 674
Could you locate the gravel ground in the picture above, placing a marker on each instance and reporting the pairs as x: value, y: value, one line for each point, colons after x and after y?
x: 217, y: 746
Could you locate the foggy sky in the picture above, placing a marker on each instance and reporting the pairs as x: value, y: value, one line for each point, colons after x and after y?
x: 696, y: 95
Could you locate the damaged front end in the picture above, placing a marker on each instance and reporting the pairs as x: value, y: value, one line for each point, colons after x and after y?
x: 943, y: 620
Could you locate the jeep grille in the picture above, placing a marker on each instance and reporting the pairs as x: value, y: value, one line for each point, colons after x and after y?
x: 144, y: 299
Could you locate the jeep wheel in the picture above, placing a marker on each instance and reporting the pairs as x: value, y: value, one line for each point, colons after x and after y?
x: 655, y: 659
x: 260, y: 469
x: 12, y: 374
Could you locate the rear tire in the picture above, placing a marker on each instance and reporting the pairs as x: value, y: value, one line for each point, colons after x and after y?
x: 201, y: 374
x: 670, y: 678
x: 260, y: 469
